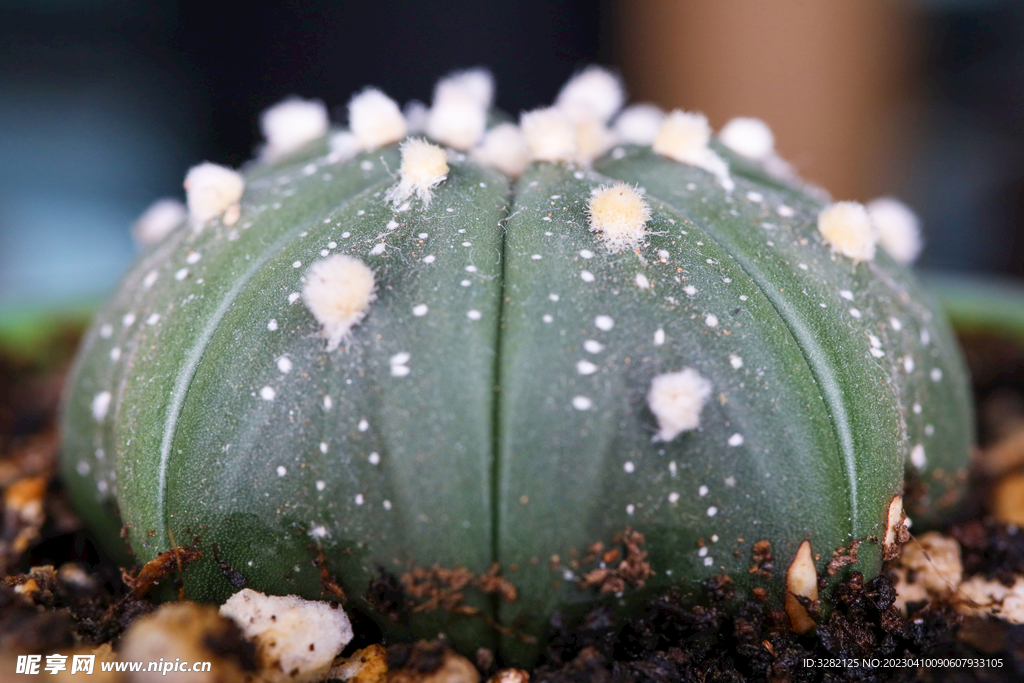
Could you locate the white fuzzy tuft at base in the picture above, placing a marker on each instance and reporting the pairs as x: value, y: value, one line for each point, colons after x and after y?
x: 550, y: 134
x: 424, y: 167
x: 375, y: 119
x: 296, y: 640
x: 290, y: 124
x: 156, y: 222
x: 639, y: 124
x: 210, y: 189
x: 684, y: 137
x: 338, y: 292
x: 899, y: 230
x: 473, y: 84
x: 458, y: 114
x: 618, y: 213
x: 595, y: 92
x: 748, y: 137
x: 848, y: 229
x: 504, y: 148
x: 676, y: 399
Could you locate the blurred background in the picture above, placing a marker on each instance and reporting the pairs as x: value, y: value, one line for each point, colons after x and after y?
x: 104, y: 104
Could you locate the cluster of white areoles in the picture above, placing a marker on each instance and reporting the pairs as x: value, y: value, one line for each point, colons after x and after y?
x: 854, y: 230
x: 291, y: 124
x: 424, y: 167
x: 684, y: 137
x: 338, y: 292
x: 211, y: 190
x: 375, y: 119
x: 618, y: 213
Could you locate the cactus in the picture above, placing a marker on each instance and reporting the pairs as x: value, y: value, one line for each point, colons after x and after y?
x: 546, y: 365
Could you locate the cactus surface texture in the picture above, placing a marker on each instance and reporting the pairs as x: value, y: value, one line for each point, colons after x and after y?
x: 518, y: 368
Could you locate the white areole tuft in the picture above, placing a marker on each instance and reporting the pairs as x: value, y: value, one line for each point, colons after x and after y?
x: 550, y: 134
x: 424, y: 167
x: 458, y: 115
x: 748, y: 137
x: 638, y: 124
x: 595, y: 91
x: 618, y: 213
x: 290, y: 124
x: 504, y: 147
x: 899, y: 230
x: 848, y: 229
x: 338, y: 292
x: 684, y: 137
x: 211, y: 189
x: 375, y: 119
x: 676, y: 399
x: 156, y: 222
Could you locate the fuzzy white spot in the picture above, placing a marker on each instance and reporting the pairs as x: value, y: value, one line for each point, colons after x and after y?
x: 344, y: 145
x: 899, y: 229
x: 581, y: 403
x: 748, y: 137
x: 328, y: 403
x: 639, y: 124
x: 735, y: 361
x: 398, y: 364
x: 618, y: 213
x: 604, y: 322
x: 917, y: 457
x: 321, y: 485
x: 363, y: 425
x: 128, y: 320
x: 659, y: 337
x: 929, y: 430
x: 100, y: 405
x: 378, y: 249
x: 908, y: 364
x: 586, y: 253
x: 458, y: 114
x: 736, y: 440
x: 684, y: 137
x: 284, y: 364
x: 676, y: 399
x: 504, y: 147
x: 293, y: 297
x: 785, y: 211
x: 848, y: 229
x: 547, y: 318
x: 702, y: 490
x: 594, y: 91
x: 550, y: 134
x: 846, y: 294
x: 711, y: 320
x: 115, y: 353
x: 424, y: 167
x: 585, y: 367
x: 712, y: 511
x: 917, y: 409
x: 593, y: 346
x: 673, y: 498
x: 630, y: 509
x: 420, y: 310
x: 318, y: 532
x: 210, y: 189
x: 926, y: 337
x: 690, y: 290
x: 181, y: 274
x: 936, y: 374
x: 375, y: 119
x: 156, y: 222
x: 281, y: 470
x: 429, y: 258
x: 323, y: 447
x: 338, y: 291
x: 855, y: 313
x: 474, y: 314
x: 106, y: 330
x: 153, y: 319
x: 586, y: 276
x: 272, y: 325
x: 267, y: 393
x: 290, y: 124
x: 628, y: 467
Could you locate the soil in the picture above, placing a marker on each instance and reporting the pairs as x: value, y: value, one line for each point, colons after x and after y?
x: 58, y: 591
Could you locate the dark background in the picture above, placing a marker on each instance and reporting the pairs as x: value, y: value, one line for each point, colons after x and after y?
x: 104, y: 104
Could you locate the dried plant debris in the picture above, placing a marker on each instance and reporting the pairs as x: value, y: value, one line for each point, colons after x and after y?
x: 440, y: 588
x: 614, y: 575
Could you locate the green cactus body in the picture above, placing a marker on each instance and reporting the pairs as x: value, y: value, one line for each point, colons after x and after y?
x: 492, y: 405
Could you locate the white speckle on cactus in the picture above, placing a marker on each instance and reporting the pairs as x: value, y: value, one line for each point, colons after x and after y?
x: 855, y: 313
x: 374, y: 458
x: 338, y: 291
x: 321, y: 485
x: 282, y: 470
x: 702, y: 490
x: 296, y: 264
x: 586, y: 253
x: 375, y: 120
x: 595, y: 92
x: 690, y: 290
x: 604, y: 322
x: 736, y: 440
x: 504, y: 147
x: 684, y: 137
x: 193, y: 258
x: 318, y: 532
x: 848, y: 229
x: 106, y: 330
x: 156, y: 222
x: 899, y: 229
x: 153, y: 319
x: 785, y: 211
x: 748, y: 137
x: 712, y: 511
x: 458, y: 114
x: 936, y: 375
x: 210, y: 189
x: 802, y: 581
x: 908, y: 364
x: 755, y: 197
x: 926, y: 337
x: 547, y: 318
x: 586, y: 276
x: 474, y: 314
x: 673, y: 498
x: 100, y: 405
x: 550, y: 134
x: 618, y: 213
x: 293, y: 297
x: 284, y: 364
x: 343, y: 145
x: 593, y: 346
x: 128, y: 320
x: 115, y: 354
x: 917, y: 409
x: 363, y: 425
x: 676, y: 399
x: 181, y: 274
x: 730, y: 481
x: 846, y: 294
x: 424, y: 167
x: 929, y: 430
x: 290, y: 124
x: 538, y: 257
x: 708, y: 561
x: 553, y: 297
x: 267, y: 393
x: 659, y: 337
x: 328, y: 403
x: 639, y: 124
x: 386, y: 504
x: 735, y: 361
x: 581, y: 403
x: 896, y: 324
x: 150, y: 278
x: 628, y: 467
x: 711, y: 320
x: 630, y: 509
x: 585, y: 367
x: 398, y: 363
x: 420, y: 310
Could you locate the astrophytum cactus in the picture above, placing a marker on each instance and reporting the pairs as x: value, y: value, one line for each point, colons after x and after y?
x: 515, y: 370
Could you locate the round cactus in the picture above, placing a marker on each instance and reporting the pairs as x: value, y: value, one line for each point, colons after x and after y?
x: 517, y: 369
